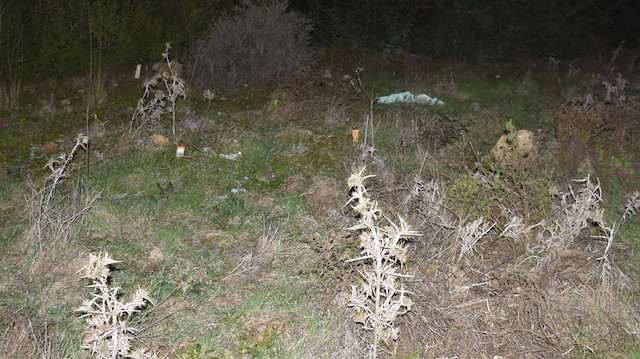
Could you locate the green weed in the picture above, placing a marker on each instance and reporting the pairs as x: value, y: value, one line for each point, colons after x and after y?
x: 468, y: 197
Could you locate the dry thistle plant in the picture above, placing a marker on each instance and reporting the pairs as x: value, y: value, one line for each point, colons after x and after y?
x: 632, y: 206
x: 51, y: 214
x: 470, y: 233
x: 516, y: 229
x: 616, y: 90
x: 428, y: 199
x: 167, y: 87
x: 578, y: 209
x: 107, y: 335
x: 378, y: 300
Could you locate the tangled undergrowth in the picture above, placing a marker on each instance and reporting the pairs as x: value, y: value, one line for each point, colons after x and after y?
x: 489, y: 281
x: 511, y: 289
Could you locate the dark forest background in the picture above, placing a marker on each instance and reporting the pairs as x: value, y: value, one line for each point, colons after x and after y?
x: 62, y: 37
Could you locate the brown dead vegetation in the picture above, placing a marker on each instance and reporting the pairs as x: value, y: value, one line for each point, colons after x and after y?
x: 310, y: 101
x: 509, y: 297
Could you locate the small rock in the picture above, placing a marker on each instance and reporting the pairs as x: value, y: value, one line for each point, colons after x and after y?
x: 48, y: 147
x: 231, y: 156
x: 262, y: 178
x: 156, y: 257
x: 159, y: 140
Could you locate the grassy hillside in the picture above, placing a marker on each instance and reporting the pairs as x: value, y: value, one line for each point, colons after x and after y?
x: 243, y: 243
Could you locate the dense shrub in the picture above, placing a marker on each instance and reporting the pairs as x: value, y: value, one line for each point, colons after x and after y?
x: 64, y: 36
x: 260, y: 44
x: 471, y: 29
x: 378, y: 24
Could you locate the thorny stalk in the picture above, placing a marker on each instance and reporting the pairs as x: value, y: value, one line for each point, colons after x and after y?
x: 578, y: 209
x: 107, y: 334
x: 47, y: 215
x: 152, y: 109
x: 377, y: 301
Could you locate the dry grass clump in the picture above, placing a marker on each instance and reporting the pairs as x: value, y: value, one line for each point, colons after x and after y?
x: 53, y: 208
x: 108, y: 335
x: 261, y: 257
x: 261, y: 44
x: 301, y: 98
x: 20, y: 337
x: 589, y: 127
x: 378, y: 300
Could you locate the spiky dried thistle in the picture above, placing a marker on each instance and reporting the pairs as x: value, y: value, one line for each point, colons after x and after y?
x: 107, y: 335
x: 52, y: 213
x: 167, y: 87
x: 379, y: 299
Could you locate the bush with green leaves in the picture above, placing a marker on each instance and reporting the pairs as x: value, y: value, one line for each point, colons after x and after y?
x: 468, y: 196
x: 261, y: 44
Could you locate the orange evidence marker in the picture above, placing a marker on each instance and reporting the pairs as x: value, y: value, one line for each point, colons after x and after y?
x: 356, y: 134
